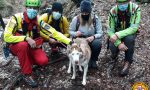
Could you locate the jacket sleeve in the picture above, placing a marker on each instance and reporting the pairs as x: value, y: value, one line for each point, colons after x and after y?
x: 98, y: 27
x: 72, y: 27
x: 8, y: 33
x: 45, y: 35
x: 51, y: 32
x: 65, y: 27
x: 133, y: 27
x: 111, y: 29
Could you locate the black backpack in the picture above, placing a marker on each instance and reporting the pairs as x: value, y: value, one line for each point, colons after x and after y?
x: 47, y: 10
x: 2, y: 22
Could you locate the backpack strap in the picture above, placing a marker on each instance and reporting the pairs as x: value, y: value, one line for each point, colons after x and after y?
x: 49, y: 12
x: 2, y: 22
x: 16, y: 23
x: 15, y: 19
x: 62, y: 22
x: 48, y: 15
x: 77, y: 23
x: 5, y: 45
x: 94, y: 22
x: 134, y: 9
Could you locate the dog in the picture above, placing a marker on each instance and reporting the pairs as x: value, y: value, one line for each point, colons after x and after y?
x: 79, y: 55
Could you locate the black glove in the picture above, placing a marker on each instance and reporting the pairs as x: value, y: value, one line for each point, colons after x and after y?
x: 71, y: 42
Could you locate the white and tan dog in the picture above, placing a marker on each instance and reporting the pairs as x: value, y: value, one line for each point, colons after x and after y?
x: 79, y: 54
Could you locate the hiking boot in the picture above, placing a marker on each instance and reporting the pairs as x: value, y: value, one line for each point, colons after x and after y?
x: 90, y: 64
x: 30, y: 81
x: 125, y: 69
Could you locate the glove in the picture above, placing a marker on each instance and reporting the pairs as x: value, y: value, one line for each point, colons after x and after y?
x: 71, y: 42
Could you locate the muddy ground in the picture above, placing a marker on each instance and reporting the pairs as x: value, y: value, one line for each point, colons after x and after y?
x: 54, y: 76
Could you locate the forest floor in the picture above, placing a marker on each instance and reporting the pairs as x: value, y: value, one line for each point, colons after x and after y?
x: 55, y: 77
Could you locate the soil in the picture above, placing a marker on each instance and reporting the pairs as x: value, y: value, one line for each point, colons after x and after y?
x: 54, y: 76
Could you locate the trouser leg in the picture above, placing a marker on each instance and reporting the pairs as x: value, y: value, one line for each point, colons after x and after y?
x: 21, y: 50
x: 39, y: 56
x: 129, y: 42
x: 95, y: 48
x: 114, y: 50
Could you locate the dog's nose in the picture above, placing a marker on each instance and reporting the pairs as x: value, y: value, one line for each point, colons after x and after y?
x: 76, y: 62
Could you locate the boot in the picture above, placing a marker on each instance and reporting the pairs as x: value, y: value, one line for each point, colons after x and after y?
x: 94, y: 65
x: 90, y: 64
x: 125, y: 69
x: 30, y: 81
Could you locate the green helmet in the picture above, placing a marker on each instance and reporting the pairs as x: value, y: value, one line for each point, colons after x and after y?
x: 122, y: 0
x: 34, y: 3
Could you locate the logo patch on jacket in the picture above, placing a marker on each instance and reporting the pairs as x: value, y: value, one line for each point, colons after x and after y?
x: 46, y: 26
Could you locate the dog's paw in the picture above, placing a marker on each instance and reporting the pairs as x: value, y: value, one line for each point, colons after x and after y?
x: 84, y: 83
x: 73, y: 77
x: 68, y: 71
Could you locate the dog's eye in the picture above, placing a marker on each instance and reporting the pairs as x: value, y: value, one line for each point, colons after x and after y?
x: 72, y: 53
x: 77, y: 53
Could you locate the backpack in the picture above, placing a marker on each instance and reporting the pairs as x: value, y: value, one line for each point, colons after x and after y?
x: 78, y: 22
x: 4, y: 46
x: 47, y: 10
x: 2, y: 22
